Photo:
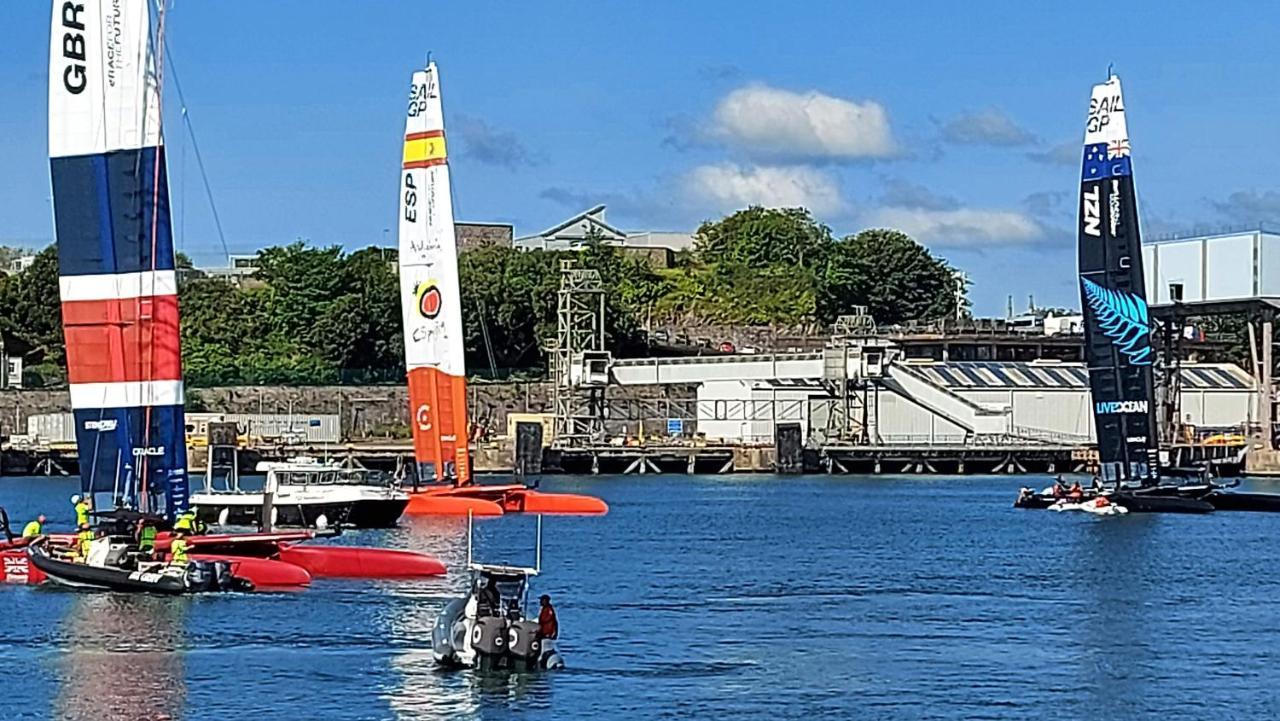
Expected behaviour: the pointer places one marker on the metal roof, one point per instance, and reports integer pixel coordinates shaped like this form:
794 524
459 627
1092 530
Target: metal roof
982 375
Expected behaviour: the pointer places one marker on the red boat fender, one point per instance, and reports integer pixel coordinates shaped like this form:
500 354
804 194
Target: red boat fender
361 562
555 503
264 573
436 504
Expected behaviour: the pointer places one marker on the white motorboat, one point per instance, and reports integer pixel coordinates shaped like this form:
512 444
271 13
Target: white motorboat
306 493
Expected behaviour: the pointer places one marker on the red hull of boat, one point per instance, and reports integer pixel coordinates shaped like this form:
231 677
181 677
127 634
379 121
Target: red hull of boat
15 567
555 503
361 562
499 500
265 574
427 503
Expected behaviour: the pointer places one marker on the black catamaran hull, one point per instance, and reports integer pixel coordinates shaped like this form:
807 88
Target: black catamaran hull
1134 502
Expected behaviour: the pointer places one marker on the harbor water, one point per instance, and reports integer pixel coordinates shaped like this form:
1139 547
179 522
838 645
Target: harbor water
726 597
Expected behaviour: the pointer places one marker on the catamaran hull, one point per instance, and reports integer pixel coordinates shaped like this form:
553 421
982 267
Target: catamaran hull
481 500
16 567
263 573
361 562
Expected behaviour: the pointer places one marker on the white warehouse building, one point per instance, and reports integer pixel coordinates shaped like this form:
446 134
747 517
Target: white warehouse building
1043 400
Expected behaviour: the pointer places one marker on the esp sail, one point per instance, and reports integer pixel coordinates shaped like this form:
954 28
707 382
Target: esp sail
429 291
1116 320
117 279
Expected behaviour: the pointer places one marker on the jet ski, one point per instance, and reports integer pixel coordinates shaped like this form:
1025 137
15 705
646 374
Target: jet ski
110 566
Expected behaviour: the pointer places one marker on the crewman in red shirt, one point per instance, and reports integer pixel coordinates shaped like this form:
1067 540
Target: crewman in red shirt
548 626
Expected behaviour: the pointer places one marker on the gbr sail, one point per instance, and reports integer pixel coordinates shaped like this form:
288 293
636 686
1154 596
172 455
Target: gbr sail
117 281
433 341
1116 319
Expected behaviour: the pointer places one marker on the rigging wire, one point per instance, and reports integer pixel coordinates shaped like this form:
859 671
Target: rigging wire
195 149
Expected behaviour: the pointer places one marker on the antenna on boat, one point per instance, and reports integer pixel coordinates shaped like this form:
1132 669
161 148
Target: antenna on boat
1109 73
470 516
537 559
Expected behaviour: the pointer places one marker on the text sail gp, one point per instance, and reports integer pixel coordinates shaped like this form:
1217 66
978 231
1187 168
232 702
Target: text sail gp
117 281
1116 320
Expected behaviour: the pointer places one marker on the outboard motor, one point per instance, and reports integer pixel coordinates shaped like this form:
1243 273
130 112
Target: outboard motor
222 578
199 577
442 632
489 640
524 645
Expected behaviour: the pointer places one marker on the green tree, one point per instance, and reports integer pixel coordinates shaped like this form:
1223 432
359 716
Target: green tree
760 237
895 277
31 309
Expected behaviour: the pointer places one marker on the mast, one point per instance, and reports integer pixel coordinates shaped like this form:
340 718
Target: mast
1116 320
117 278
429 290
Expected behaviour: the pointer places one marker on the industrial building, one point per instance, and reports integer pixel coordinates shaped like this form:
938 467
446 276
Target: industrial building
1046 401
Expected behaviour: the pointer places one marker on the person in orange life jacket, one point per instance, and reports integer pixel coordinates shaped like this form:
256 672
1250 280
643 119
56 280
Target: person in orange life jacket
1076 491
548 624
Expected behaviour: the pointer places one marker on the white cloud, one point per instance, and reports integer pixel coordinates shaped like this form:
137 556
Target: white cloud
960 227
770 121
986 127
1066 154
728 186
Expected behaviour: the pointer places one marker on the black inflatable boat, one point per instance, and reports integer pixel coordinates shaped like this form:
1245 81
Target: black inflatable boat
159 578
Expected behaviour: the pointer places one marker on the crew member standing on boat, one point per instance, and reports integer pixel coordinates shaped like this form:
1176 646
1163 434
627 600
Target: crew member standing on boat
83 507
83 541
178 548
35 528
490 601
187 521
548 624
146 536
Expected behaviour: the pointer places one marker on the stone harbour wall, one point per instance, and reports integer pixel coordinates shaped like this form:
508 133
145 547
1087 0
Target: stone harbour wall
364 411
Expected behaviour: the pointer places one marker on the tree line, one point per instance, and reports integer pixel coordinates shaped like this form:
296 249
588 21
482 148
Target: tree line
322 315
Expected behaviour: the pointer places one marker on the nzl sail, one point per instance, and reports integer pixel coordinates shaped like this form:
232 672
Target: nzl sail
1117 326
115 253
433 341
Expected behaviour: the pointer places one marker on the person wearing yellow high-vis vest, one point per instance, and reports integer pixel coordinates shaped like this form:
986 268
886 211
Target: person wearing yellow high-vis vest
178 548
82 506
35 528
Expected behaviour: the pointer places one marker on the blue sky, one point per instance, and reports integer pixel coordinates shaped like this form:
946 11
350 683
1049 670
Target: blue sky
960 122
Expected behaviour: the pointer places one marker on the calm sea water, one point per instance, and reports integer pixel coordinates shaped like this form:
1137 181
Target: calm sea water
728 597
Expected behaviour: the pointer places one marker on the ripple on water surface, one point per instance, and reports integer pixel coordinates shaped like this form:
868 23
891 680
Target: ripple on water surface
726 597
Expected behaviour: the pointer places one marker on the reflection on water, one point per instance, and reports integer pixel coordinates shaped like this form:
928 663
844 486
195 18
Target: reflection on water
122 658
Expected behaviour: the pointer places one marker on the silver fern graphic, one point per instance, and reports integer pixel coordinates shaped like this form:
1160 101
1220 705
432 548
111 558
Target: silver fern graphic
1123 318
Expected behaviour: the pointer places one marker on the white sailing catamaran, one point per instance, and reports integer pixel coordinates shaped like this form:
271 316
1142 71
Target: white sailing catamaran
433 341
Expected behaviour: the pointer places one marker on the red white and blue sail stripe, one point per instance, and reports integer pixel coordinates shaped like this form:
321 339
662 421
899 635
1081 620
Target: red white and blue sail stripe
117 280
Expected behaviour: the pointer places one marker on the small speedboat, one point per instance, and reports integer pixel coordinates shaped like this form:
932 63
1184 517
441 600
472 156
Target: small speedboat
109 566
488 629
